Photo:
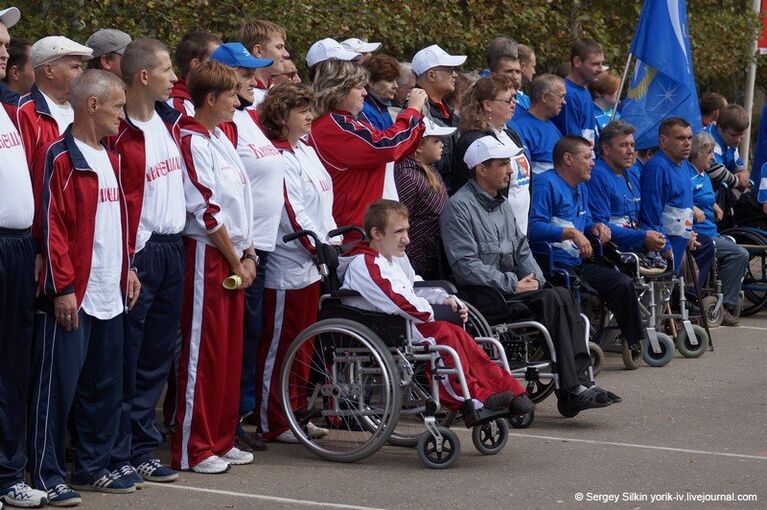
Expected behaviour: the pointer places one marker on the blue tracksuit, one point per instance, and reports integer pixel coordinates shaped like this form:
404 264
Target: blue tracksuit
703 197
577 115
558 205
614 200
376 112
667 201
539 138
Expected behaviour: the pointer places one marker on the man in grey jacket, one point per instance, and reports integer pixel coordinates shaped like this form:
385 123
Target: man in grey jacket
484 247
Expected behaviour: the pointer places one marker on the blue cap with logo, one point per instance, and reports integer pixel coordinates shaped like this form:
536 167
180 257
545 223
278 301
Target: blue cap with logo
234 54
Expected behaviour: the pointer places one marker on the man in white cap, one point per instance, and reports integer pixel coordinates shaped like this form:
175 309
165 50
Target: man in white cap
435 72
479 215
326 49
45 112
364 48
17 258
108 46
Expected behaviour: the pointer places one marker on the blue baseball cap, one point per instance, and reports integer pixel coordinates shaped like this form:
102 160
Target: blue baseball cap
234 54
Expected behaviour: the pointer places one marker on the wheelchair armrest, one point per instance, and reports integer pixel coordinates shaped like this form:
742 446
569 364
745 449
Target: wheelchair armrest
440 284
344 293
445 313
487 300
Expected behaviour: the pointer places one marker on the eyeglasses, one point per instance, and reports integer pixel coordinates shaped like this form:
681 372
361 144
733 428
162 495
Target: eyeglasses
560 96
512 99
445 69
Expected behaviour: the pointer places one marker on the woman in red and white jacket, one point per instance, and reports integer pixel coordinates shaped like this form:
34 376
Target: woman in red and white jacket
219 243
359 157
292 286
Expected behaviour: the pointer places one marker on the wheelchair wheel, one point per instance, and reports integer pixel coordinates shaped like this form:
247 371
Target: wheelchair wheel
490 438
439 458
658 359
714 318
477 325
631 359
597 357
523 421
539 390
686 348
339 371
755 282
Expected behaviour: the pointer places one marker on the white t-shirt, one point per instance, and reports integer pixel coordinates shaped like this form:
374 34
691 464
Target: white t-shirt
103 298
164 207
519 183
17 203
64 115
258 96
265 167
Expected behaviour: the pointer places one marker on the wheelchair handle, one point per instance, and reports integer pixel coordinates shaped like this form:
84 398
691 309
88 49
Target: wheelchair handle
301 233
348 228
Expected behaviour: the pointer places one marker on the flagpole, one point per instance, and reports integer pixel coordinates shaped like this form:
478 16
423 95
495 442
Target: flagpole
749 99
620 90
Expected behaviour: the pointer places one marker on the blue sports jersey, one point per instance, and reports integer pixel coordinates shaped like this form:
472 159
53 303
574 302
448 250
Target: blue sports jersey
558 205
724 155
539 138
377 113
577 115
667 201
523 101
704 198
614 200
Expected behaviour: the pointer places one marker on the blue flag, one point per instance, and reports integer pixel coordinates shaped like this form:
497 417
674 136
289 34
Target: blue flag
663 83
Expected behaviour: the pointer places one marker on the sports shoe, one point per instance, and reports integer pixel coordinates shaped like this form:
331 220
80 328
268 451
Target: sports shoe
61 495
728 319
129 473
287 437
152 471
24 496
316 432
213 465
111 483
249 441
237 457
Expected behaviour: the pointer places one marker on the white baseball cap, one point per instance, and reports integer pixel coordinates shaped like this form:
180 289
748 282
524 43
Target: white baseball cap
434 56
358 45
10 16
487 147
434 129
54 47
326 49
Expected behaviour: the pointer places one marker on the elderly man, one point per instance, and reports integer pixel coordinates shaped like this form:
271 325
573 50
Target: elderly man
485 247
86 288
534 125
17 298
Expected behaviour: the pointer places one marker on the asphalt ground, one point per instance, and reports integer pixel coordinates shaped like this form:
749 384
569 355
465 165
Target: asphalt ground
688 435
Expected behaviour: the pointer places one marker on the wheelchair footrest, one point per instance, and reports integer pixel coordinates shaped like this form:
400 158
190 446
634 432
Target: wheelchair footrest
474 417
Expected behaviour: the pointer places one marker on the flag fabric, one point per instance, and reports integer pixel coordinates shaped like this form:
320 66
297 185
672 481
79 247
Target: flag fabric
663 82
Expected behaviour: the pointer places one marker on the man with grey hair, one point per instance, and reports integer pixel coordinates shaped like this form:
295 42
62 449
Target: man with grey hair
88 285
534 125
45 112
148 143
732 259
17 300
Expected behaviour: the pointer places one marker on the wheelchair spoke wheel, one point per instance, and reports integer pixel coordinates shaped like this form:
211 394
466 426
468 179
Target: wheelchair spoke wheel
436 457
338 374
685 346
539 390
522 421
658 359
490 438
755 282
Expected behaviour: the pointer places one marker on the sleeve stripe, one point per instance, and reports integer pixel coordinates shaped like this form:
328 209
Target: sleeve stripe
294 222
384 284
374 137
212 208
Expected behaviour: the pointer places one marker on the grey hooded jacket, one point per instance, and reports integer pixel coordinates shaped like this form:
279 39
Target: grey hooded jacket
482 241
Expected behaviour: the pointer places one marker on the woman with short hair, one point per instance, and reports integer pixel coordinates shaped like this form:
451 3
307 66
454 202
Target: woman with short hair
604 93
384 71
219 244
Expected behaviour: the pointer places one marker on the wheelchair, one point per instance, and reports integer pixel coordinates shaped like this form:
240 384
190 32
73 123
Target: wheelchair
361 374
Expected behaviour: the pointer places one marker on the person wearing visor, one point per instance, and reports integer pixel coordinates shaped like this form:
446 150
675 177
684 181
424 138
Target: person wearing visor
364 48
328 49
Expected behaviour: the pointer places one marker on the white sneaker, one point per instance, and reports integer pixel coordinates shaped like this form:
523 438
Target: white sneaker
316 432
22 495
213 465
287 437
237 457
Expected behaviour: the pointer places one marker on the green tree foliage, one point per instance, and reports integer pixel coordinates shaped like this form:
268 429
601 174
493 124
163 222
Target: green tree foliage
722 31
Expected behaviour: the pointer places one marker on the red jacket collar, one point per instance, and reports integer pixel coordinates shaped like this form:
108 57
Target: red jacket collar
283 145
179 90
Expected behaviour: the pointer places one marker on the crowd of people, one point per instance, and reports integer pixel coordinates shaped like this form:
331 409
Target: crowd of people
143 204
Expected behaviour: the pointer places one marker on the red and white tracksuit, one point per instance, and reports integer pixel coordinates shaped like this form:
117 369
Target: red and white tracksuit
387 286
292 286
180 99
217 192
360 158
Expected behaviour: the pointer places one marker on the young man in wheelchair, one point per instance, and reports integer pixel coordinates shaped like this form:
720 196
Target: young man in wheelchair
381 273
485 248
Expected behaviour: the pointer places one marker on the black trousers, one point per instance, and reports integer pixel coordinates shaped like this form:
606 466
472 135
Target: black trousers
617 291
557 310
17 308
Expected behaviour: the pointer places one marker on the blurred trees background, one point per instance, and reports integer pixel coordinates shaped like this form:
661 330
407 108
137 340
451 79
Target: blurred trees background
722 31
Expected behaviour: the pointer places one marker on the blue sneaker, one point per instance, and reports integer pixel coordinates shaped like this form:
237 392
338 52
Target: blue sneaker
62 495
111 483
22 495
128 472
152 471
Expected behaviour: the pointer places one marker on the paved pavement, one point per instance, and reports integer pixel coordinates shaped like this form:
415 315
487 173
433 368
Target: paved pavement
685 433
